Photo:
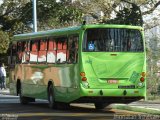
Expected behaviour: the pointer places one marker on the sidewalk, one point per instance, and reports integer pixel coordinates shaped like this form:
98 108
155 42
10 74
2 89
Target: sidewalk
150 107
5 91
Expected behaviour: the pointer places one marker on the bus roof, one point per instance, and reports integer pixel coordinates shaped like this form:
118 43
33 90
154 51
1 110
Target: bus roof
69 30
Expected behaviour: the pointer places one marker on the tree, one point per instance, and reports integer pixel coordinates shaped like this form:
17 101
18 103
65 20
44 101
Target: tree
68 13
131 11
4 39
57 14
10 11
16 15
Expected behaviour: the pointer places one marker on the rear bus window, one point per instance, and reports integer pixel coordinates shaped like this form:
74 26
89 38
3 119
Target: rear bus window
112 40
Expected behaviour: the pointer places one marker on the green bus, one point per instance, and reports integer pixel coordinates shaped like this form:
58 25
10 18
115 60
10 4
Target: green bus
94 63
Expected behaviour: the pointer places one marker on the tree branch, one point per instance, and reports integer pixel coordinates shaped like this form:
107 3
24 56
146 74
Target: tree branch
152 9
128 2
146 12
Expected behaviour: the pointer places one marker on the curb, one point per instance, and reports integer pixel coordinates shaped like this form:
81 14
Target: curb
137 109
5 92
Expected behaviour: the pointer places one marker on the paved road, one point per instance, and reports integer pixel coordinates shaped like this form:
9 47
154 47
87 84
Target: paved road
10 108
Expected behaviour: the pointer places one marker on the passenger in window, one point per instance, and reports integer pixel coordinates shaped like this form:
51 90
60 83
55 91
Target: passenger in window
25 57
72 51
14 54
128 44
59 60
19 57
124 45
134 45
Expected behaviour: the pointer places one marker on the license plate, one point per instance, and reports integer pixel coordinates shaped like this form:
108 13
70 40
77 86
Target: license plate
112 81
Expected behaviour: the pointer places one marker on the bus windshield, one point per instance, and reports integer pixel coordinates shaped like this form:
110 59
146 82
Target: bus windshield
112 40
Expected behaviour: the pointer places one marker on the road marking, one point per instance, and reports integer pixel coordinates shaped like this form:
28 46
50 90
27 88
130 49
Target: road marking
62 114
72 114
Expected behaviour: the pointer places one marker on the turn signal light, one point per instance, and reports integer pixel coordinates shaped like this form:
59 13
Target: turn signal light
84 79
143 74
142 79
82 74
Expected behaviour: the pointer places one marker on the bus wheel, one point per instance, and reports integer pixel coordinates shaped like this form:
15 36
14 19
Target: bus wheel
63 106
51 98
100 106
23 100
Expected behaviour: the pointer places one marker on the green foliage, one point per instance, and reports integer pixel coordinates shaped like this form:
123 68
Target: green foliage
4 40
16 16
57 14
9 15
69 14
51 14
128 16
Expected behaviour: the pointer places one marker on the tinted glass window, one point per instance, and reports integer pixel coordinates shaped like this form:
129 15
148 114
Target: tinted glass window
72 49
112 40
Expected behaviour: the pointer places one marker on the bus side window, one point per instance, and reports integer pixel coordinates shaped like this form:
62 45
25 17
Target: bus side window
51 53
34 51
43 45
42 51
19 52
13 53
61 49
72 49
25 52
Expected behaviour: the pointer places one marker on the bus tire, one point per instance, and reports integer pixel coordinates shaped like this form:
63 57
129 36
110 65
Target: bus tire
100 106
23 100
63 106
51 97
